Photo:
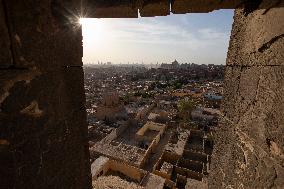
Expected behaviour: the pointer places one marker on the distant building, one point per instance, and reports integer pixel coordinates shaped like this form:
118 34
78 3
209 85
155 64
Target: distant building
110 108
173 65
211 96
166 66
213 100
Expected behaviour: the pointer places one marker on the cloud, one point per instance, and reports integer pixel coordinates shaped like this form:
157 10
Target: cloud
158 39
211 34
150 32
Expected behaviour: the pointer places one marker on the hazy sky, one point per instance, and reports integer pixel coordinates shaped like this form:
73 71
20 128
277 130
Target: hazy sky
198 38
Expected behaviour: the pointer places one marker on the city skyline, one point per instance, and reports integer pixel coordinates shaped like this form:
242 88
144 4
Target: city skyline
198 38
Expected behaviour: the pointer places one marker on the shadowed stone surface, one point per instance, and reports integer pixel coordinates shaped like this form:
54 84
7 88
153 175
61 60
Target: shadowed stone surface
190 6
155 8
42 119
129 8
43 130
43 34
5 53
110 9
43 133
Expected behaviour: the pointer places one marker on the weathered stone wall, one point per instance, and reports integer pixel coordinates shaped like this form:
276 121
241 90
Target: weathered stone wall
150 8
249 143
43 130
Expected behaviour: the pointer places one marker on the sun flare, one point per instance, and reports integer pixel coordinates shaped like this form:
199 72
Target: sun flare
81 20
94 30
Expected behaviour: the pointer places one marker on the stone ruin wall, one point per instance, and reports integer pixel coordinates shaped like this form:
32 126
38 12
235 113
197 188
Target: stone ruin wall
43 130
248 150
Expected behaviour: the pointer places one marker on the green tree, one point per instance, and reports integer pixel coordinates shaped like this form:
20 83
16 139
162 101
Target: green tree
185 106
126 99
177 85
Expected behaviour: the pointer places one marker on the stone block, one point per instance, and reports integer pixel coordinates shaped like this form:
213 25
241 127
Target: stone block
6 59
58 91
249 143
257 38
202 6
44 34
232 80
244 84
43 120
111 9
152 8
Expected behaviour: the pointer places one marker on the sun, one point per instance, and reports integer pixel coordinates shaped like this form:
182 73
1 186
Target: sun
95 31
81 20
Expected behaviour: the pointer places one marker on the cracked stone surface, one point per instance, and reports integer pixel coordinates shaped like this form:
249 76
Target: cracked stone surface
256 38
249 142
39 29
5 53
42 121
43 130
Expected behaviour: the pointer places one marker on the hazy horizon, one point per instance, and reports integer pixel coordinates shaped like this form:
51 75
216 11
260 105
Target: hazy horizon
189 38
